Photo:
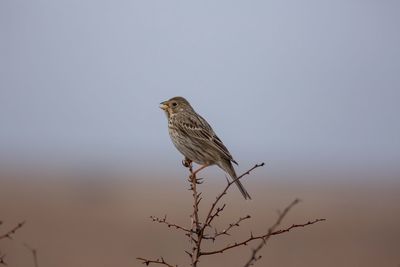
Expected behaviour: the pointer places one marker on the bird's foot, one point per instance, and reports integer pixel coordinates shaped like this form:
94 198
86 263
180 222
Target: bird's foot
195 179
186 162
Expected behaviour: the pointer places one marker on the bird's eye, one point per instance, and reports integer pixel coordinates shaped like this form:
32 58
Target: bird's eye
174 104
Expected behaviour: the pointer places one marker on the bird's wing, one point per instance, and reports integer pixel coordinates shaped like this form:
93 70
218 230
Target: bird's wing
198 128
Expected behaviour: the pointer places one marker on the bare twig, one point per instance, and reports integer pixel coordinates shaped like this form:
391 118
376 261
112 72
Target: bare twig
159 261
271 232
2 259
254 257
260 237
196 196
195 254
11 232
164 221
212 213
209 217
9 235
226 230
34 254
197 233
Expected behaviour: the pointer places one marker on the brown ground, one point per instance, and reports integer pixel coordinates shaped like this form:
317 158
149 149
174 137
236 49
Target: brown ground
81 223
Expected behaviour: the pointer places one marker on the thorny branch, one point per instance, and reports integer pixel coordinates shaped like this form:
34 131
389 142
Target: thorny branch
226 230
212 214
2 261
197 233
11 232
9 235
164 221
211 217
34 254
160 261
196 197
254 257
264 237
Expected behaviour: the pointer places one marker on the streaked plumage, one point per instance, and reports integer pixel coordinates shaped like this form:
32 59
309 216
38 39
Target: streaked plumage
196 140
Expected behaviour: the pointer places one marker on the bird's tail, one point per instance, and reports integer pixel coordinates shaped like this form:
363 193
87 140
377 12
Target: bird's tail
226 165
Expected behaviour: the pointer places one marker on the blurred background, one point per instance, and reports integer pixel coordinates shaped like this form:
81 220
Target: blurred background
311 88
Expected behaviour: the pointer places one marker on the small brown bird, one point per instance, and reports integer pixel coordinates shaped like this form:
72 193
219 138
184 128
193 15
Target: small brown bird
196 140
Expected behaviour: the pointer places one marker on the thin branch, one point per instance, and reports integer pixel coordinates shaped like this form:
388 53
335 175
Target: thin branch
159 261
194 255
164 221
11 232
210 217
216 214
2 259
271 232
251 238
34 254
9 235
197 232
230 226
196 196
281 231
254 257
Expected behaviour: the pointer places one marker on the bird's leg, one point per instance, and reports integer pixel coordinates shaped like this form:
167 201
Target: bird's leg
199 169
186 162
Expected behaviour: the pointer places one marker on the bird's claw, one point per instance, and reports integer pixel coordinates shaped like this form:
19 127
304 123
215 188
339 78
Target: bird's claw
199 180
186 162
196 180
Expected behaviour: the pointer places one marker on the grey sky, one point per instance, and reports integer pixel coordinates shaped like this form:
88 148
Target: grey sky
306 82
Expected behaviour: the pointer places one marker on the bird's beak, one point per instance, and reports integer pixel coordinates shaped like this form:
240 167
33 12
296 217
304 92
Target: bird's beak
163 105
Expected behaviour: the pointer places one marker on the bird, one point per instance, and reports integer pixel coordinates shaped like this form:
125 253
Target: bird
195 139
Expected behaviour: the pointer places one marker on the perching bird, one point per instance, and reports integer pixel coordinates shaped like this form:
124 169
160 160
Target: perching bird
196 140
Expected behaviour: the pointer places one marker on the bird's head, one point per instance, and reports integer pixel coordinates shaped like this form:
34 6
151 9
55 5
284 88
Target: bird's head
175 105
